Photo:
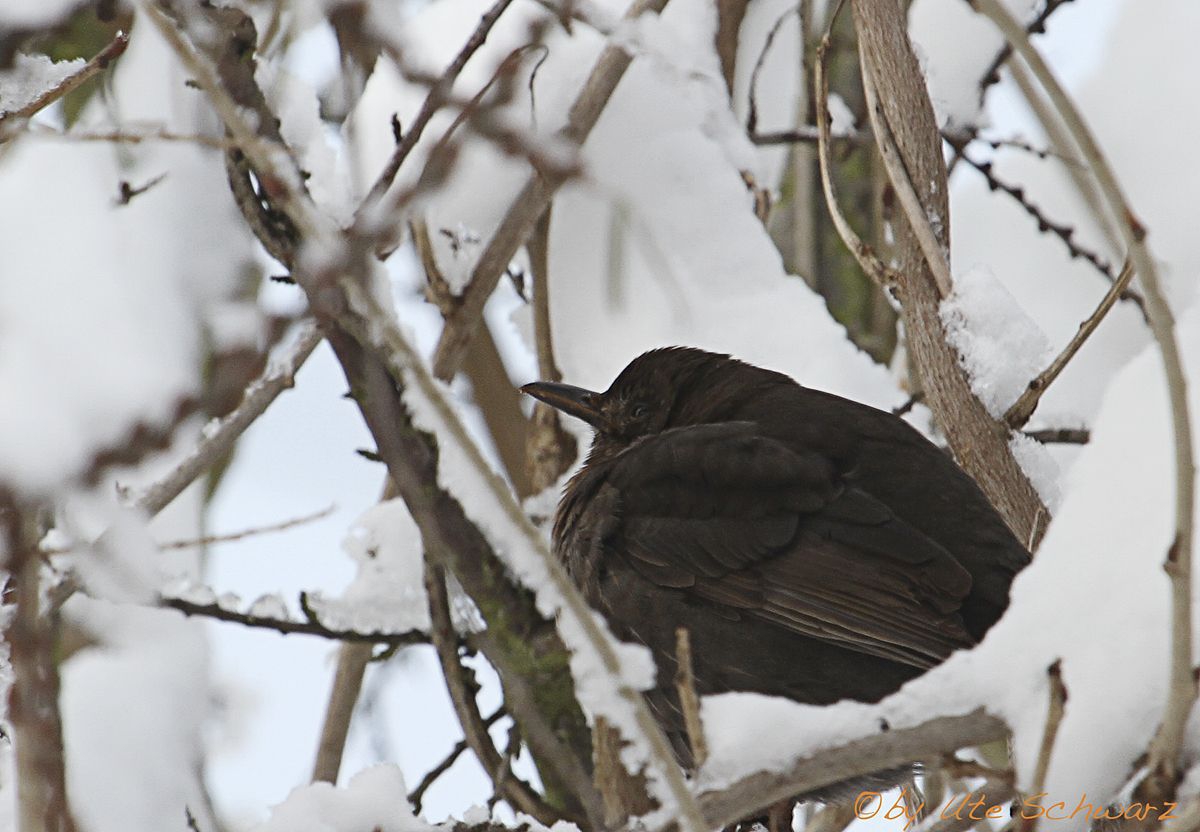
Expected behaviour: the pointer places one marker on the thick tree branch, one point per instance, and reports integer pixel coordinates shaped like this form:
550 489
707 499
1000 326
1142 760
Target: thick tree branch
902 110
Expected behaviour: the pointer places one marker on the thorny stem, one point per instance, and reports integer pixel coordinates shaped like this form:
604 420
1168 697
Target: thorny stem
1165 748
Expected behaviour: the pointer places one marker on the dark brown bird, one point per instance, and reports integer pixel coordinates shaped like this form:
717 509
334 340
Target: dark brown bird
814 547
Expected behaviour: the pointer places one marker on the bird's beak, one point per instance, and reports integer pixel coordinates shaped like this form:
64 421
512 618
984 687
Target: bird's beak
575 401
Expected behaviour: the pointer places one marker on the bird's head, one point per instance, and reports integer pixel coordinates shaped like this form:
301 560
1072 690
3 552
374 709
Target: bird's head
661 389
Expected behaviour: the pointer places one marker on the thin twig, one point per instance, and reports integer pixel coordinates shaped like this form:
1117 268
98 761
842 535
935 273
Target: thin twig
1054 716
689 701
127 137
219 436
73 81
1018 414
1165 748
417 795
1062 231
1037 26
434 101
462 688
752 107
289 626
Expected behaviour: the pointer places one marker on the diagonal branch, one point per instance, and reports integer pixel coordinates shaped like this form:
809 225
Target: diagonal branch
532 202
1020 411
434 101
219 436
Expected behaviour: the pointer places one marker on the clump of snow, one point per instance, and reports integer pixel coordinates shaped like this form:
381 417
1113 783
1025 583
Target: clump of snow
270 605
842 121
375 798
1000 347
1039 466
956 46
388 593
29 77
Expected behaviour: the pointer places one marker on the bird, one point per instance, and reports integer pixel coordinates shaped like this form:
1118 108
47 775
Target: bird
813 547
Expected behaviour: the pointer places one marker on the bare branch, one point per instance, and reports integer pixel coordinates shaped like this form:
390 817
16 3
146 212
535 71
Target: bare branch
531 202
689 702
1054 715
902 108
1164 751
417 795
932 241
883 275
1065 436
1020 411
42 800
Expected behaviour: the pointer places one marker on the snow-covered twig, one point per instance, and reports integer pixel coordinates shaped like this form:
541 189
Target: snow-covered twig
288 626
885 750
1020 411
219 435
72 82
1165 748
531 202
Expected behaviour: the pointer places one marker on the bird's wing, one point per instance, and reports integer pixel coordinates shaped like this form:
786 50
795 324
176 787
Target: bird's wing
742 521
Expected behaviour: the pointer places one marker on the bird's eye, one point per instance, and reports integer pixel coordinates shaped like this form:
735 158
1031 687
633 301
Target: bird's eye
638 411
